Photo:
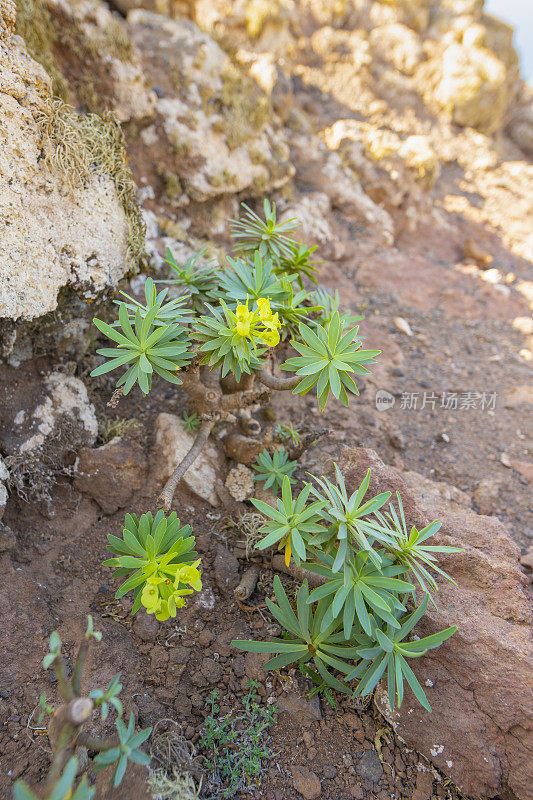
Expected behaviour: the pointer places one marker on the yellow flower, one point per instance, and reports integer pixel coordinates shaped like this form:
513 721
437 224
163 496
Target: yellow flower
150 598
273 322
263 306
266 316
162 613
155 579
191 575
244 320
271 338
243 327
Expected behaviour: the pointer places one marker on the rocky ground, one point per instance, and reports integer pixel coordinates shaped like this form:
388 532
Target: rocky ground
400 134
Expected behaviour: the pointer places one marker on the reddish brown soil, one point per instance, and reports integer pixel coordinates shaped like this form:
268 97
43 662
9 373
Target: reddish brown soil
51 569
56 576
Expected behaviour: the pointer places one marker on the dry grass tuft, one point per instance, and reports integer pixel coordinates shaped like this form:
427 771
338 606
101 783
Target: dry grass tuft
78 146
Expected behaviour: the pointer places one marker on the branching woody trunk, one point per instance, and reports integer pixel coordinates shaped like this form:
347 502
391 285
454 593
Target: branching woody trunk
216 400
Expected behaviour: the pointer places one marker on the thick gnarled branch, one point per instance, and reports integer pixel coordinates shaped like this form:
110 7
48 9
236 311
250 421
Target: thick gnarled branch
167 495
273 382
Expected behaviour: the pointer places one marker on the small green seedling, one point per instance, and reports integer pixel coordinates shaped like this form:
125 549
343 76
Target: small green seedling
272 469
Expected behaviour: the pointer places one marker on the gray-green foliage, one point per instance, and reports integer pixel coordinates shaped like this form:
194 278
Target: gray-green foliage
191 422
64 787
266 236
329 356
152 345
272 468
293 524
354 625
288 433
127 750
234 747
199 281
232 316
110 697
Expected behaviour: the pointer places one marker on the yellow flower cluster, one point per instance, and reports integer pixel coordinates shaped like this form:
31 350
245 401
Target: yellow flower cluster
163 596
260 324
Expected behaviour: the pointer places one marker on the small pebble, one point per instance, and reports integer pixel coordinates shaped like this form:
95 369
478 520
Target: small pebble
370 767
397 440
403 326
504 458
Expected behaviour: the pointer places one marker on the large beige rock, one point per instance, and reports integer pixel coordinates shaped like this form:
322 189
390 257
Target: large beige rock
172 443
8 15
520 128
469 83
479 683
325 171
450 17
98 59
398 45
170 8
413 13
265 25
215 131
337 45
62 221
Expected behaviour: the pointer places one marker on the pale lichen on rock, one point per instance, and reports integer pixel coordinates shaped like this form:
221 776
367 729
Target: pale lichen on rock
213 116
69 217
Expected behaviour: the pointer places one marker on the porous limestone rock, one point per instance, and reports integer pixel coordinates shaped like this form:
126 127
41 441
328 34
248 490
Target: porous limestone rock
414 14
8 15
312 211
214 123
338 187
240 482
99 60
478 683
56 229
398 45
64 397
520 128
168 7
268 74
418 154
337 45
468 83
172 443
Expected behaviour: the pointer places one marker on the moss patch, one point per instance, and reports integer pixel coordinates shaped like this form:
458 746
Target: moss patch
245 108
258 13
172 185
